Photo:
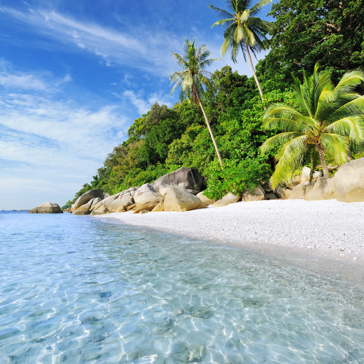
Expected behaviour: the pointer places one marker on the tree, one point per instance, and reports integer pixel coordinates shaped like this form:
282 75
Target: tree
328 118
308 31
193 78
244 30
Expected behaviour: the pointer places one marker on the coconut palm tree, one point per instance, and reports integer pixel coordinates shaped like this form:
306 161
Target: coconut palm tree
244 30
327 119
193 77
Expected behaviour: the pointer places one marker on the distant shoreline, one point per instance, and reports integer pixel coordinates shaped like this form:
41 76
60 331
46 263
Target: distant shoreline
325 237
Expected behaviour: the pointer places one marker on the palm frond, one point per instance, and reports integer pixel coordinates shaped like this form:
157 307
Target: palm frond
290 156
337 145
258 7
353 127
349 81
222 14
278 139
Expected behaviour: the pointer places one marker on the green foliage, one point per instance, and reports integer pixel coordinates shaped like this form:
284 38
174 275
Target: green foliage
308 31
68 205
327 119
236 177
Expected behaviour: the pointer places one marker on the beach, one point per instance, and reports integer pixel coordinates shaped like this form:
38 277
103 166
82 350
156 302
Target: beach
324 236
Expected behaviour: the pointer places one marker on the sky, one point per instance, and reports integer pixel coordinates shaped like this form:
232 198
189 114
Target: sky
74 75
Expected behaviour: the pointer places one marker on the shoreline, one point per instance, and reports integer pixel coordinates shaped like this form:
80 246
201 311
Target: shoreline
324 237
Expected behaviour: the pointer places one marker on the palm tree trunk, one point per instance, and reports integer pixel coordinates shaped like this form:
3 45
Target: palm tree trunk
323 162
255 76
209 127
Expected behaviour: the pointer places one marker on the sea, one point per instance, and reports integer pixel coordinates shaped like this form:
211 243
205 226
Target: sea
74 289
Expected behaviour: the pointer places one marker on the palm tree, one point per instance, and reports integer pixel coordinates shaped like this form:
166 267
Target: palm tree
244 30
327 119
193 78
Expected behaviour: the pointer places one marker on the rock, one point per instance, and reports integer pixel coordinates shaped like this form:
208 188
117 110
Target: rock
86 197
131 207
120 203
294 182
267 187
159 207
299 192
205 201
227 200
305 176
270 196
144 212
348 182
322 190
283 193
180 200
184 177
47 208
100 209
84 209
95 202
258 194
146 198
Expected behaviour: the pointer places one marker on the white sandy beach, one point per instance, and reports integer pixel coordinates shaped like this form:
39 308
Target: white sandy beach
324 229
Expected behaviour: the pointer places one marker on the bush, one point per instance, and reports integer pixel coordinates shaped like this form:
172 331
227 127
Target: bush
236 177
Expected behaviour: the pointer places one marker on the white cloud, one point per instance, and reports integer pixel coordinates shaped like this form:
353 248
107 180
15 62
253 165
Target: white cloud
40 81
143 104
144 50
45 135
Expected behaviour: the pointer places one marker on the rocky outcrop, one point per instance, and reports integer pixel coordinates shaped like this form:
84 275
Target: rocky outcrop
180 200
184 177
120 203
257 194
348 182
300 191
159 207
283 193
47 208
227 200
86 197
322 190
146 198
205 201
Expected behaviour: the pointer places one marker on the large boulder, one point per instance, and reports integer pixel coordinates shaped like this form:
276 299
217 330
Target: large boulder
146 197
47 208
205 201
180 200
283 193
227 200
120 203
322 190
257 194
99 210
348 182
86 197
159 207
184 177
87 207
300 191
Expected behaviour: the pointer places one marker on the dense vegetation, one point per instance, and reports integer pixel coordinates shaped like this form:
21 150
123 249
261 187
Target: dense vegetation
165 139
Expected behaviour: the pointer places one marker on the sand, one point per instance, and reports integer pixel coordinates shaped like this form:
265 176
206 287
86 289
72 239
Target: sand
324 236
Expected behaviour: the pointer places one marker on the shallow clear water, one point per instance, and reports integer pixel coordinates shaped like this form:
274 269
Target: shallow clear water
77 290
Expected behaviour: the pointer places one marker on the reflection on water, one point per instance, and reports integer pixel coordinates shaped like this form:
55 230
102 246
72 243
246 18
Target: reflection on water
76 290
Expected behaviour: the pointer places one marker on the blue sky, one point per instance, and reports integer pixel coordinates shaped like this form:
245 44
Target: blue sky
73 77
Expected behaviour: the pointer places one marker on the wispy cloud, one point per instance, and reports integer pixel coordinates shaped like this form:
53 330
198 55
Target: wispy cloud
143 104
144 50
11 79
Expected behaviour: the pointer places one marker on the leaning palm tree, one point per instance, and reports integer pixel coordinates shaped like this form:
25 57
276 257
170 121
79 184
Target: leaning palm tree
328 119
244 30
193 78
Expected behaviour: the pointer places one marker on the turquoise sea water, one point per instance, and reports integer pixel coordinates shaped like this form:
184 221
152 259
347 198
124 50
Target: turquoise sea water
77 290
